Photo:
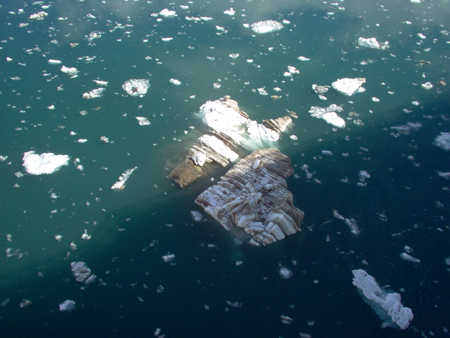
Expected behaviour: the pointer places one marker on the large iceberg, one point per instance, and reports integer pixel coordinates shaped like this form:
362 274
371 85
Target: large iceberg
267 26
45 163
252 201
348 86
136 87
386 304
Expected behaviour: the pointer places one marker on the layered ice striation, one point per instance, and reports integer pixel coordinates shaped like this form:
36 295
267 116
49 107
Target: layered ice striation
45 163
252 201
386 304
136 87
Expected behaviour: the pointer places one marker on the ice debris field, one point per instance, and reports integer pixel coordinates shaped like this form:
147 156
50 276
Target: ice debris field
93 90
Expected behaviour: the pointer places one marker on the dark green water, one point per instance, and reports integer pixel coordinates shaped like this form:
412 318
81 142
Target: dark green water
206 293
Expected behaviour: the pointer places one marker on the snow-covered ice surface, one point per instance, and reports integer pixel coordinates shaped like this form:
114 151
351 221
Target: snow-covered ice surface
380 159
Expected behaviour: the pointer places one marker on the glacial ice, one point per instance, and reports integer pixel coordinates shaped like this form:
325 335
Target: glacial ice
69 70
386 304
328 114
45 163
95 93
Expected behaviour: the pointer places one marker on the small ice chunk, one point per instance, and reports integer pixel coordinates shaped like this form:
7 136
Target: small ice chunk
82 273
428 85
196 216
168 258
70 71
45 163
303 58
143 121
285 273
95 93
443 141
67 306
386 304
38 16
409 258
268 26
230 11
175 82
136 87
166 13
372 43
167 39
347 86
120 184
234 55
54 62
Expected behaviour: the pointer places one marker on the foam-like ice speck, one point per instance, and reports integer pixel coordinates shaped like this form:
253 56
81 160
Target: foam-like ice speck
268 26
45 163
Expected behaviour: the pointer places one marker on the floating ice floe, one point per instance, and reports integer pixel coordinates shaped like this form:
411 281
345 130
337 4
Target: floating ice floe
45 163
82 273
70 71
175 82
38 16
329 115
120 184
373 43
136 87
347 86
143 121
67 306
386 304
166 13
54 62
443 141
95 93
303 58
167 39
268 26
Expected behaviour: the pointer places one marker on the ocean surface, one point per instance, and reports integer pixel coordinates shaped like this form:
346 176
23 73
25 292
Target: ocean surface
385 177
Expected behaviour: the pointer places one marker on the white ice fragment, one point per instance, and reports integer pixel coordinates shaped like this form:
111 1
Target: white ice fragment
54 62
199 158
167 39
85 236
327 153
234 55
69 70
372 43
168 258
101 83
347 86
67 306
45 163
443 141
268 26
120 184
416 1
303 58
375 99
58 238
143 121
166 13
409 258
262 91
196 216
386 304
175 82
420 35
136 87
82 140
